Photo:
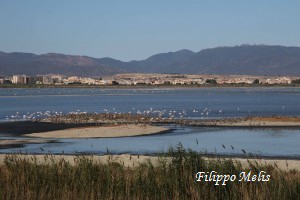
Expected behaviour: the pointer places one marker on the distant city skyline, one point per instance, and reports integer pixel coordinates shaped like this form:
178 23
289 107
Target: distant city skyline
135 30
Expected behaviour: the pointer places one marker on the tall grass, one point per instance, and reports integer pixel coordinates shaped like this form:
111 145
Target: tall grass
172 177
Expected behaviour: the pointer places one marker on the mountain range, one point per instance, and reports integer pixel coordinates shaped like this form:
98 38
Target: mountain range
237 60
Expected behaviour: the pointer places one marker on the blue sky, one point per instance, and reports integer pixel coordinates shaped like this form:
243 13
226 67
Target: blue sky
137 29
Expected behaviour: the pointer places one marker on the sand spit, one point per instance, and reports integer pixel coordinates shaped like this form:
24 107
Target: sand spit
257 122
104 118
262 122
102 132
134 160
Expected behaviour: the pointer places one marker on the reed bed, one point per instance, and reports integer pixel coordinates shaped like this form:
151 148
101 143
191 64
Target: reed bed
171 177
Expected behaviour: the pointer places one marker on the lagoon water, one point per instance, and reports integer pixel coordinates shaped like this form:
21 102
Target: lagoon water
16 104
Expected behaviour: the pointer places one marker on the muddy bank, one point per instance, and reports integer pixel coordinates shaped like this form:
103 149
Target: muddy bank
19 128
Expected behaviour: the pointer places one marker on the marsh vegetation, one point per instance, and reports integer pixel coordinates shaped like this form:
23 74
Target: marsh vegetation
171 177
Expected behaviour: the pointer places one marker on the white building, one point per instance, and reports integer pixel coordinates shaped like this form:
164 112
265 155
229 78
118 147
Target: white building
19 79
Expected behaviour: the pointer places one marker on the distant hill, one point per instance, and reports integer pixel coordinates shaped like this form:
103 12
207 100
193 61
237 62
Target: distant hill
159 62
31 64
154 63
244 59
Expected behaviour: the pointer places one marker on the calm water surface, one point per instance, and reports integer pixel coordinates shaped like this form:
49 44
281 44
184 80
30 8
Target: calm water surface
264 142
16 104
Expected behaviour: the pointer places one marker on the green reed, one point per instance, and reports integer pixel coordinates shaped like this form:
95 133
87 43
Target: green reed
171 177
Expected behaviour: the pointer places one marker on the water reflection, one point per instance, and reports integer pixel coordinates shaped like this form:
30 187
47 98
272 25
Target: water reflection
265 142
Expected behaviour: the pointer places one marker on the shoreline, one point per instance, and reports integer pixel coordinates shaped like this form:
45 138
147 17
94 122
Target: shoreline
206 155
248 121
43 132
21 141
130 160
14 86
62 123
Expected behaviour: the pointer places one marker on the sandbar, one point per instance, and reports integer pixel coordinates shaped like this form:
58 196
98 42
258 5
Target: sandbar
102 131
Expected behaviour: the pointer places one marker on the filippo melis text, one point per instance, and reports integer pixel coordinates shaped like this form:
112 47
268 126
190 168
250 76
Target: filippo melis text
222 179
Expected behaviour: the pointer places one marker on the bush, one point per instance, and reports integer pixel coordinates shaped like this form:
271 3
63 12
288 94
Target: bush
256 81
211 81
297 81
